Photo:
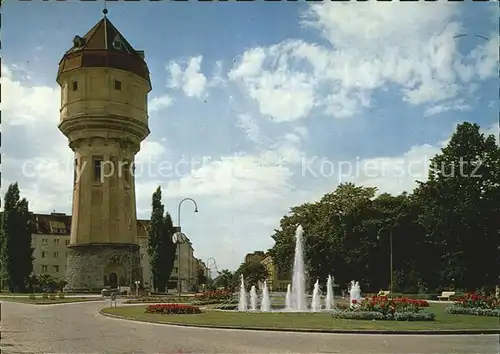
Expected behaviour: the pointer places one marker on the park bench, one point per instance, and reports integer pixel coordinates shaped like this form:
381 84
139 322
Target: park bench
445 295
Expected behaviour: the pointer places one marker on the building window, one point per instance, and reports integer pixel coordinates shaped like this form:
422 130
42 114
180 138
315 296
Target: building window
43 254
44 269
125 170
97 169
67 242
118 85
74 85
142 257
56 254
44 241
55 269
56 242
176 270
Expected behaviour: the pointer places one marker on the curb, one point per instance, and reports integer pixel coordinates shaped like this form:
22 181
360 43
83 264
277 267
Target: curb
326 331
48 304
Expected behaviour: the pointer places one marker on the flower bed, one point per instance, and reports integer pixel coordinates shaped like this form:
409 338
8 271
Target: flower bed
173 309
475 305
381 308
157 299
171 299
214 296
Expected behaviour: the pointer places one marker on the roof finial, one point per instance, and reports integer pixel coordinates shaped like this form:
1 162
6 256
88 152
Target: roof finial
105 10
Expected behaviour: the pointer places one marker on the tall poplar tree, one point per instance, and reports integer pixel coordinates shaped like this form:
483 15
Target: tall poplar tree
16 253
161 249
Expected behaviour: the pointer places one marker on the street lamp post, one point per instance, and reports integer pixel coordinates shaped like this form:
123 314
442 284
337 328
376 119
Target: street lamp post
181 239
177 239
390 251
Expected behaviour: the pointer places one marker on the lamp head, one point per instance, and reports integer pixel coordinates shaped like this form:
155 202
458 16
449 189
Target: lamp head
195 210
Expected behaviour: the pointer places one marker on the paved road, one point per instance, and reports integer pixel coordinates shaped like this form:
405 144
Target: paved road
79 328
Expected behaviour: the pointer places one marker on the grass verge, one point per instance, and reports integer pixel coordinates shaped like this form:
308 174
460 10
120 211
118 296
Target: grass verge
39 301
311 321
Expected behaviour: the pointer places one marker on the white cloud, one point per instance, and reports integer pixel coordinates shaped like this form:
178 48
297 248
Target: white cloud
281 94
250 127
250 64
150 152
190 80
366 54
159 102
26 104
457 105
217 78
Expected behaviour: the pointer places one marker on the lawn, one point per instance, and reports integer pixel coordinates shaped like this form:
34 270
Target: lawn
40 301
298 321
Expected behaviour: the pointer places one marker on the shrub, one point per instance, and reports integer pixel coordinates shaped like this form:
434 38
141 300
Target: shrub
61 296
45 296
376 315
414 316
32 297
214 296
358 315
52 296
173 309
457 310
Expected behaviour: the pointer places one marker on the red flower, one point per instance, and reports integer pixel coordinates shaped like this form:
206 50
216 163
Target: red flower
170 309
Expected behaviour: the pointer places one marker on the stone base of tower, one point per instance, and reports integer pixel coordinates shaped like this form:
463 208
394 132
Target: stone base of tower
92 267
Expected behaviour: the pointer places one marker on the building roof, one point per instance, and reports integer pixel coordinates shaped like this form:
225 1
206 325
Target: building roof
53 224
60 224
104 46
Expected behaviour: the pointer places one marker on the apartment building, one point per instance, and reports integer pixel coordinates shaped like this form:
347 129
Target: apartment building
52 236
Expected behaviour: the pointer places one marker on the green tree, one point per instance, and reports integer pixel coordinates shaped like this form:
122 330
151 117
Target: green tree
16 253
460 211
161 249
340 237
224 279
253 273
202 277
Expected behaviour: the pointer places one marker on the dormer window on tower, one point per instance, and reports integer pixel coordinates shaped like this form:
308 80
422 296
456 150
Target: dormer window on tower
78 42
118 85
74 85
117 43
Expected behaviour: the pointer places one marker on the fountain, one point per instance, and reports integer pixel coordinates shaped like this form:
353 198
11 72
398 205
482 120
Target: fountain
288 298
296 299
253 298
316 300
242 305
298 278
329 302
354 292
265 304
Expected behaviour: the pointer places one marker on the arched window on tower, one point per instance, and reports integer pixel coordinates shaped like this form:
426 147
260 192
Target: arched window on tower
126 173
97 167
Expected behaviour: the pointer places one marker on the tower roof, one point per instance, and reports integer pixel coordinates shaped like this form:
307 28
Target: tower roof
104 46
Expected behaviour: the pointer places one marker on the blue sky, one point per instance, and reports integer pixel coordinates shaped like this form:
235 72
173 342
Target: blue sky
258 96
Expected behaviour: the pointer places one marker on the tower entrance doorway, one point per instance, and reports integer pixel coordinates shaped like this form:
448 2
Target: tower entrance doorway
113 280
115 276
